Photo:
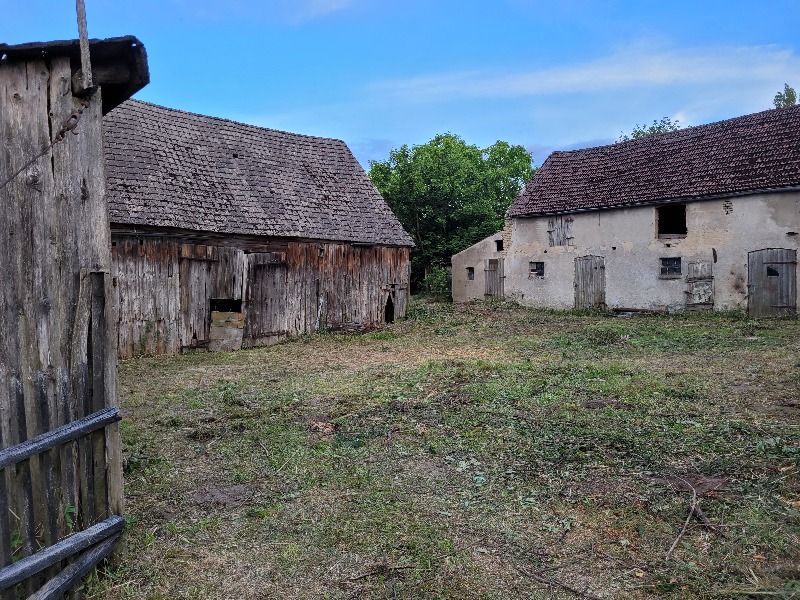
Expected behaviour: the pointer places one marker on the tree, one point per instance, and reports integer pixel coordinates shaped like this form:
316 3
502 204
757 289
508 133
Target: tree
664 125
786 98
449 194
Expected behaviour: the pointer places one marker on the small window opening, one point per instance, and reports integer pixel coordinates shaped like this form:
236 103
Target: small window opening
235 155
388 312
671 220
470 273
226 305
772 272
535 269
499 244
671 267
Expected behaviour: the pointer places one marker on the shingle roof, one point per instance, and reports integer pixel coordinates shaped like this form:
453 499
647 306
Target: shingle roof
170 168
748 154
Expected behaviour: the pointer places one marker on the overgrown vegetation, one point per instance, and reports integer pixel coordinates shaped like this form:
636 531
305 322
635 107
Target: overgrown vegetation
482 451
449 194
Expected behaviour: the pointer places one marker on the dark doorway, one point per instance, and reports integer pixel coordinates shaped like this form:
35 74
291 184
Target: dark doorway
226 305
388 312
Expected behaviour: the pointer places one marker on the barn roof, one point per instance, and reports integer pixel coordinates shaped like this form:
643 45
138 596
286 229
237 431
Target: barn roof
119 64
170 168
750 154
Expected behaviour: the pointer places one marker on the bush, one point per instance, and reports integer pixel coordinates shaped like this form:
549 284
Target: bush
437 282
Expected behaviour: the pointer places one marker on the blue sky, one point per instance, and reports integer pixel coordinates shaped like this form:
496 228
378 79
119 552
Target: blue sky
378 74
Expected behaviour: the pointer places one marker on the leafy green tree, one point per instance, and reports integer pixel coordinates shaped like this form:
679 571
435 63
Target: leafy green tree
663 125
449 194
786 98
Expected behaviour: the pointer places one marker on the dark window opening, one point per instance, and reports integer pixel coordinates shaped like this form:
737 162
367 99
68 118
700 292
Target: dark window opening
535 269
671 267
499 244
388 312
671 220
772 272
470 273
226 305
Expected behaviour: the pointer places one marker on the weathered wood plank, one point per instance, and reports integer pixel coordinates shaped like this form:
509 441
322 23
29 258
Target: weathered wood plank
71 575
56 437
31 565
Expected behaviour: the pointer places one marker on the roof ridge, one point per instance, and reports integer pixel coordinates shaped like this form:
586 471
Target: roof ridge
678 132
234 122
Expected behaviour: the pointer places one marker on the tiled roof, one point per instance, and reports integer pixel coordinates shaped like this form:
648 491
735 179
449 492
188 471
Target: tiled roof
748 154
169 168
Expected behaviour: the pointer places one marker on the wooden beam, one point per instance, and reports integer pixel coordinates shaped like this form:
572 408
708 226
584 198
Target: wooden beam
86 63
57 437
69 546
111 74
66 580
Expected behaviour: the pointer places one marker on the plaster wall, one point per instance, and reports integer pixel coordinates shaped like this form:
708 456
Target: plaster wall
720 231
476 256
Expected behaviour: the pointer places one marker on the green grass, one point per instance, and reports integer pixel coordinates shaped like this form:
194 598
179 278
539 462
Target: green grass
470 451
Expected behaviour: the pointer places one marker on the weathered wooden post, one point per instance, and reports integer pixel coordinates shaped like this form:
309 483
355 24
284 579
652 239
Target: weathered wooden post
57 338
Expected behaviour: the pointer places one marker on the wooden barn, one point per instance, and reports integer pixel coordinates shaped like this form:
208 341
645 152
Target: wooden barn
226 235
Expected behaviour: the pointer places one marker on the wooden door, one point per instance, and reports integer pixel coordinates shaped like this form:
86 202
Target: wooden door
266 314
494 278
590 282
195 284
772 282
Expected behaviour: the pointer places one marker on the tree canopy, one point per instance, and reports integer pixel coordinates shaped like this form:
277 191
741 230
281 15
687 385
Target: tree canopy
663 125
449 194
786 98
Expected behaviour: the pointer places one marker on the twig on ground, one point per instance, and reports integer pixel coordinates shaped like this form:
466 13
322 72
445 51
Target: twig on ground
379 569
692 510
555 583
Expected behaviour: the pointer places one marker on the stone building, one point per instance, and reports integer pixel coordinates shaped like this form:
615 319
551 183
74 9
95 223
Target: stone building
227 235
706 217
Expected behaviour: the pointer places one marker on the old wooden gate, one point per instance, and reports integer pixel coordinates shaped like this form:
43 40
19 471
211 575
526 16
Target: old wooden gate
60 468
494 278
772 282
590 282
266 314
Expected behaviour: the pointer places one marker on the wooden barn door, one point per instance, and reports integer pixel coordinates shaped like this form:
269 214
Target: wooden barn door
197 263
590 282
494 278
772 282
266 314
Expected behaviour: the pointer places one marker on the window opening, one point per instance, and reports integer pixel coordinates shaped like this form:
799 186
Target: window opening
226 305
535 269
772 272
671 220
671 267
499 244
470 273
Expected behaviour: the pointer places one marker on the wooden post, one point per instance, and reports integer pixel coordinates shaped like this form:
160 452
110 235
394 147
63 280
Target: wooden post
57 351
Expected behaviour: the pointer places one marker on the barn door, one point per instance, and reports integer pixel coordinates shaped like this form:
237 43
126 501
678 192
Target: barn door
590 282
195 283
494 278
772 282
266 314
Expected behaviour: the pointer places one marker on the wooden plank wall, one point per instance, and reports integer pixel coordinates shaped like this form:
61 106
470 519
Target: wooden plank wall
57 351
316 285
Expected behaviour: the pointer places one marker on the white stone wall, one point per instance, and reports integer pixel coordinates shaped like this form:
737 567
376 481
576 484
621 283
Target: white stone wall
627 239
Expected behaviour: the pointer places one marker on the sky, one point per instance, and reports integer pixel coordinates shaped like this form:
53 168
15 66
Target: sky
378 74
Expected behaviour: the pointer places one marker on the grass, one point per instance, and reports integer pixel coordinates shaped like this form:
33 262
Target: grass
469 452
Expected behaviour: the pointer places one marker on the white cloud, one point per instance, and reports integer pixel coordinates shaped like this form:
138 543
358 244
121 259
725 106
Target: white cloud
632 68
